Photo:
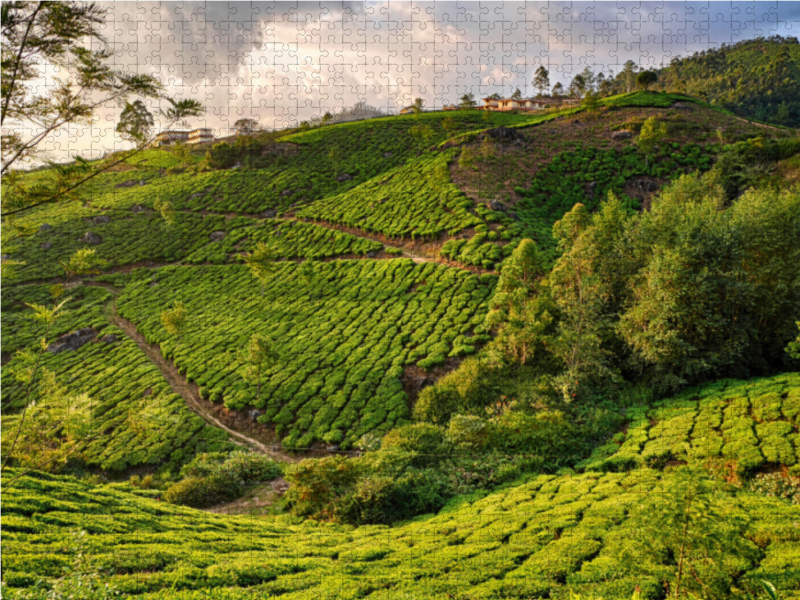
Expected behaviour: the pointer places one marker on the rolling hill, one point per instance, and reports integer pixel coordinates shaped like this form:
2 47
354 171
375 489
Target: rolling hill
498 341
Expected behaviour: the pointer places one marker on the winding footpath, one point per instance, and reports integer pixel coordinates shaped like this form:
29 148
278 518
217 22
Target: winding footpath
181 386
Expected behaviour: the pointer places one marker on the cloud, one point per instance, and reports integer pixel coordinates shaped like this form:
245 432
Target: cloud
283 62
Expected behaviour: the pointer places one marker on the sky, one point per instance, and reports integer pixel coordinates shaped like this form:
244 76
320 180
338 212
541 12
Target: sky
284 62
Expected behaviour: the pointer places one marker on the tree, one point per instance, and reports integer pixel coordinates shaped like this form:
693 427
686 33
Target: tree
589 78
628 74
335 156
183 153
83 262
541 80
135 123
645 79
37 34
422 134
261 262
694 531
577 86
257 356
558 90
495 96
606 87
54 427
512 307
517 95
246 126
651 133
591 102
418 104
327 118
28 362
174 319
467 101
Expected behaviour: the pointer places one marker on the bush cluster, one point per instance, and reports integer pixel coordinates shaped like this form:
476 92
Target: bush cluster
212 478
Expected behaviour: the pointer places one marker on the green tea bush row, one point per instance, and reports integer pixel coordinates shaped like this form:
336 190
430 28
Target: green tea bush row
145 236
19 331
417 200
546 535
753 424
343 336
587 175
136 419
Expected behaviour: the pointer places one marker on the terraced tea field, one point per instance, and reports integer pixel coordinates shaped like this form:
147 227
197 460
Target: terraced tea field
344 336
544 536
125 238
750 425
134 418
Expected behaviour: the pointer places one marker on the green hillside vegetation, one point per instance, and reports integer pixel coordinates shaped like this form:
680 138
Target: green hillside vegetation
747 424
639 330
132 417
544 536
758 79
343 334
127 238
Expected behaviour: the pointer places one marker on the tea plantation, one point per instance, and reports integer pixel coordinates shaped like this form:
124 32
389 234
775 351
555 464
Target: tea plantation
125 238
343 337
338 345
134 418
749 424
545 536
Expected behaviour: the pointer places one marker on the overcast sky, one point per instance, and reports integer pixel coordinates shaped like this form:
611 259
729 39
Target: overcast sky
283 62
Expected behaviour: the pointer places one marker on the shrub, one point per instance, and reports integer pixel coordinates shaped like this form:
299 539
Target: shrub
211 478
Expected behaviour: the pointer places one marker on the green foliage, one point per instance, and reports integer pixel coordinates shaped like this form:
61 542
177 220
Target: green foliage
211 479
652 133
794 347
413 201
765 73
747 423
342 344
174 319
257 356
134 418
587 175
645 79
135 123
541 535
692 522
84 262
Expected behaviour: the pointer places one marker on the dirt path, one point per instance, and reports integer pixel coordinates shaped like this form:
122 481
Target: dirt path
211 413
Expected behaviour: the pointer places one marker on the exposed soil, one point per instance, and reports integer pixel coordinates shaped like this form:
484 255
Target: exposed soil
516 164
415 379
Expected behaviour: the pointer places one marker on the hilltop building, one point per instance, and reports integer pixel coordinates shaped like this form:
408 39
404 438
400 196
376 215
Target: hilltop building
407 110
196 136
506 104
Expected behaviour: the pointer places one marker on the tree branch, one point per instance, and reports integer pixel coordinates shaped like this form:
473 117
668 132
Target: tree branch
18 61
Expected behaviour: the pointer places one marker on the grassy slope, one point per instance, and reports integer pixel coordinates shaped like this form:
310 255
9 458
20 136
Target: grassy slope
343 338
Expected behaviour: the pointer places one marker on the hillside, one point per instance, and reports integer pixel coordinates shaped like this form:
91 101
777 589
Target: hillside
452 355
758 79
539 537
